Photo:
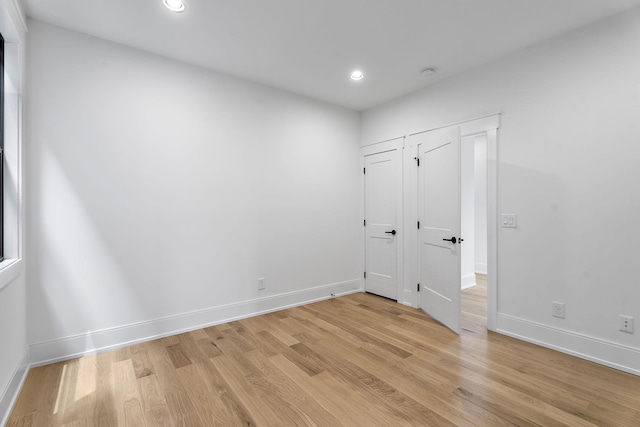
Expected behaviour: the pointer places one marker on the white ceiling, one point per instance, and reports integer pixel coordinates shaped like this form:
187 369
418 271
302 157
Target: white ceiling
310 47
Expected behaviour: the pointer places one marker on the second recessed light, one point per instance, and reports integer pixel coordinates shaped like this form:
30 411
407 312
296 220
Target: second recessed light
174 5
357 75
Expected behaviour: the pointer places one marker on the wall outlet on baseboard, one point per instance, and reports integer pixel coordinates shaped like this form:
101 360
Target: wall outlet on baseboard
261 284
558 309
626 324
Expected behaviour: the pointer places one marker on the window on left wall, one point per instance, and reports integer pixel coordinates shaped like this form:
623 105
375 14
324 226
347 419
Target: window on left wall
1 147
12 32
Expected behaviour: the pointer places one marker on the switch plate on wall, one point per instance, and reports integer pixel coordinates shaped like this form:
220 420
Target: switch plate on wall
261 284
509 221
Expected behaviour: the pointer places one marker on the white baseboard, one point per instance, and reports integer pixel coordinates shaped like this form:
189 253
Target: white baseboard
481 268
408 298
583 346
468 281
10 394
107 339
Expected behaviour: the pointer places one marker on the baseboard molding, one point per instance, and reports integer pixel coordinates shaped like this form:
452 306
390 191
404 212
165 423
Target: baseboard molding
408 298
108 339
596 350
10 393
468 281
481 268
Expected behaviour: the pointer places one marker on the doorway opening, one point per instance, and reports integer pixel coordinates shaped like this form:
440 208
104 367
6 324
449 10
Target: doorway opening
473 216
433 196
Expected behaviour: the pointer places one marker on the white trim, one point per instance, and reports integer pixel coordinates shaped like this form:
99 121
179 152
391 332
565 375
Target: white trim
10 269
17 13
362 238
583 346
410 223
12 390
382 146
492 228
468 281
470 127
70 347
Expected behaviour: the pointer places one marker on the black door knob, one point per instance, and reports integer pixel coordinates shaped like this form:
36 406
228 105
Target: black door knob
452 240
391 232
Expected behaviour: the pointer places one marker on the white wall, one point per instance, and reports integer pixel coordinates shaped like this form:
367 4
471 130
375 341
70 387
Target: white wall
568 167
158 189
467 212
480 203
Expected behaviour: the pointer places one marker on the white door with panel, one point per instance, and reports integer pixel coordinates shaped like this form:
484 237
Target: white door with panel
381 198
439 218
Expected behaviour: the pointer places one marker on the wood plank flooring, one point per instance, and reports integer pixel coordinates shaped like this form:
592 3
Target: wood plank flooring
358 360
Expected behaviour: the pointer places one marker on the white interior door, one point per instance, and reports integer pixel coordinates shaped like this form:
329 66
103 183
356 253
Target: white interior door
439 231
381 223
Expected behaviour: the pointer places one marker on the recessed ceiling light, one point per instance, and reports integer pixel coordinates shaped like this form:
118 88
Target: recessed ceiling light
357 75
174 5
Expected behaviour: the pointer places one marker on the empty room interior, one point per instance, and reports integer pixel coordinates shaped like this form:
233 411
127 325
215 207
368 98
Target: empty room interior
329 213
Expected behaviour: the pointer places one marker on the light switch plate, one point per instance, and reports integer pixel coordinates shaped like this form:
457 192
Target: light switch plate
509 221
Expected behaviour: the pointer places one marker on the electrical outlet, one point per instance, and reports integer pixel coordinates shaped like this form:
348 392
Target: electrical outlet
261 284
626 324
558 309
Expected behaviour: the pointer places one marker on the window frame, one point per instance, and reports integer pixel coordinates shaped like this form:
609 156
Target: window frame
1 148
13 29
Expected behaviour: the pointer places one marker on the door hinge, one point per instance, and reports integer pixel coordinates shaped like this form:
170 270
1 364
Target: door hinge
418 225
418 287
365 222
364 170
365 274
417 161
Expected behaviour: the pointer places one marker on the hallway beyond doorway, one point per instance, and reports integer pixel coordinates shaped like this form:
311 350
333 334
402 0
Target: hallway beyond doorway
474 306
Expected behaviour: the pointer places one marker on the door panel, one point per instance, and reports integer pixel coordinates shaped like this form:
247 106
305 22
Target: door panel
381 200
439 215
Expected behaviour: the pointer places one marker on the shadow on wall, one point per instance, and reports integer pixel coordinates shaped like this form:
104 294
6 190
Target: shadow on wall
86 285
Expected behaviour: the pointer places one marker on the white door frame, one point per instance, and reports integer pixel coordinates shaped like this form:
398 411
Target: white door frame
381 147
489 126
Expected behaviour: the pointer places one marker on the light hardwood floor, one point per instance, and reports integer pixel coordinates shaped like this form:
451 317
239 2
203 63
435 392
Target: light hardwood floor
358 360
